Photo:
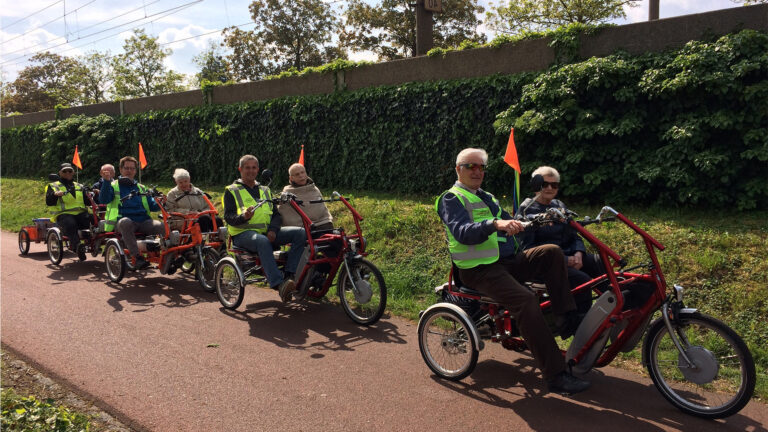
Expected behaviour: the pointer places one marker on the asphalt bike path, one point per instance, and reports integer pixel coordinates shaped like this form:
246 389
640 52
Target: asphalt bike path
160 354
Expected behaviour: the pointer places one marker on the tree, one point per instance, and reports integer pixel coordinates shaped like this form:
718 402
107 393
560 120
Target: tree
389 29
288 34
213 66
535 15
140 71
49 81
97 77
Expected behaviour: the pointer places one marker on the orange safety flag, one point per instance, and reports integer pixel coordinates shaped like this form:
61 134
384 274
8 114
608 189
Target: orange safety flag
510 157
142 158
301 156
76 159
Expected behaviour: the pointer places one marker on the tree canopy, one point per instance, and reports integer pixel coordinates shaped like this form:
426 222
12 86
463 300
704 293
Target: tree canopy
140 71
50 80
288 34
389 28
517 16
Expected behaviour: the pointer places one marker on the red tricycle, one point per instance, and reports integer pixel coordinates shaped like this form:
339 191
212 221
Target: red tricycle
361 286
697 362
174 248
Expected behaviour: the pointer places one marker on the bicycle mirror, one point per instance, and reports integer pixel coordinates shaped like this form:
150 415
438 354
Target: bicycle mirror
536 182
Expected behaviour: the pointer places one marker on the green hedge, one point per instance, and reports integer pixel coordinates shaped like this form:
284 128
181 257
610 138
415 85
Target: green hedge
686 126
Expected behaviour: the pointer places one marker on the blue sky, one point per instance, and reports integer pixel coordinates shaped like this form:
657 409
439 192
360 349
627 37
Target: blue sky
74 27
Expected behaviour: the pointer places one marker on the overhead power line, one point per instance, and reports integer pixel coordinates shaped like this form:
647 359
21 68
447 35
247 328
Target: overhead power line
43 25
172 10
33 13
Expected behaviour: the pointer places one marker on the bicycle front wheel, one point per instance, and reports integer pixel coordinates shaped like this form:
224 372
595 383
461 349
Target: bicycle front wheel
447 342
721 377
363 298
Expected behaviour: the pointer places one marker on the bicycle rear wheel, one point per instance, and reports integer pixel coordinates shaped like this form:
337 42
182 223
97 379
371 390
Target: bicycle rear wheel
721 379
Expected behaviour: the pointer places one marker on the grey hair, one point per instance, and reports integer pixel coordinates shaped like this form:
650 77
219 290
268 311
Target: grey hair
247 158
110 166
468 151
546 171
180 174
290 168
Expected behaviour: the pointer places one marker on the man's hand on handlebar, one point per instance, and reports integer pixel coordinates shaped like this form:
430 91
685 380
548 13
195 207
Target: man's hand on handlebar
249 212
510 226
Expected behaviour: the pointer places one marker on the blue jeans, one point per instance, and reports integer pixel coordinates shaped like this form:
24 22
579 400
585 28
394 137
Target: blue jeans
260 245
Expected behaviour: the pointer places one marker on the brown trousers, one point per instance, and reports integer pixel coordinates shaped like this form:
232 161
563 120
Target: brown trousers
500 282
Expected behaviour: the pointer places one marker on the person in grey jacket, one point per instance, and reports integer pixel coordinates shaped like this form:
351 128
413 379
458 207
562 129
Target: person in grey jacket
186 198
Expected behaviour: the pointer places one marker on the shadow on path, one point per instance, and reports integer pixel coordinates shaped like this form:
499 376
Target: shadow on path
288 326
623 404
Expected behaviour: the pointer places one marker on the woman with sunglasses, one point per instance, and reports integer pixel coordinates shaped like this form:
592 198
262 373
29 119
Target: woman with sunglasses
582 266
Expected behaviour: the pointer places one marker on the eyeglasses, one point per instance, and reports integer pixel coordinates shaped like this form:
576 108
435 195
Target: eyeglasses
473 166
67 171
554 185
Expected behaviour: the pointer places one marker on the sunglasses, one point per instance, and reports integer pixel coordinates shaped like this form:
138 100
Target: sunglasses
554 185
67 170
473 166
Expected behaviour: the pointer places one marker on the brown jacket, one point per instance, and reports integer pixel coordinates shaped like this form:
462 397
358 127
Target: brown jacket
318 213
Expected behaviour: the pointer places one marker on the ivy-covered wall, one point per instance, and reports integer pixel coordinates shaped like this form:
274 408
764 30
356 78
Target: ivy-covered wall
689 126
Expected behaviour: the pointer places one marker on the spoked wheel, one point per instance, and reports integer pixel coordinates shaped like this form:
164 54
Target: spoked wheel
364 300
23 242
722 377
55 247
447 343
115 262
206 273
230 283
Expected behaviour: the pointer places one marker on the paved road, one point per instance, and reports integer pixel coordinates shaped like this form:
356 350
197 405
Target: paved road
141 351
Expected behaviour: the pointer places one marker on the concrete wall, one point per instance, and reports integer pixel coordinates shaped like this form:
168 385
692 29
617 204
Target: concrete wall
524 56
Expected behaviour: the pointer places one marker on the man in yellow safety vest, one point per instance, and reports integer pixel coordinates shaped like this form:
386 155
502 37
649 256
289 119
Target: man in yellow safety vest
255 225
484 249
68 205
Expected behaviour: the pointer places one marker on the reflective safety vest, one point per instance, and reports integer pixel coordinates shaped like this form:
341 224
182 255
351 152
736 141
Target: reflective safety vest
261 216
487 252
67 204
113 208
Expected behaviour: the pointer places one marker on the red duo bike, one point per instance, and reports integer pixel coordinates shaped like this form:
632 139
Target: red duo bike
361 287
697 362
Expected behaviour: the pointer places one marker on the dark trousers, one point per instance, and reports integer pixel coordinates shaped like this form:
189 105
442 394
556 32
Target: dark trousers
206 225
500 282
592 267
69 225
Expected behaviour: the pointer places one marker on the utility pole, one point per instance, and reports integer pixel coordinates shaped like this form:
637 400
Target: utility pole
424 24
653 10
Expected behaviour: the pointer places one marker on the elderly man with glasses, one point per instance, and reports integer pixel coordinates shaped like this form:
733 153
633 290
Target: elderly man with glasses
68 205
485 252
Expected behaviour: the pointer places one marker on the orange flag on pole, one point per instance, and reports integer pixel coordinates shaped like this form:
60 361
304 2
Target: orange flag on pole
142 159
301 156
510 157
76 159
